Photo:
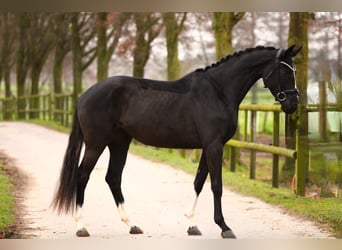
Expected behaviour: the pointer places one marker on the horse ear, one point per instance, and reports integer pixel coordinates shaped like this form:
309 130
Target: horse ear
289 51
292 51
295 51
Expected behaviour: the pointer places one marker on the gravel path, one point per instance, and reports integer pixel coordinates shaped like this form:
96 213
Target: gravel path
156 195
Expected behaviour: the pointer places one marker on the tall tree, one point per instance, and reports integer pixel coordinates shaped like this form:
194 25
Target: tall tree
109 28
22 62
148 27
173 26
298 35
62 44
7 51
82 32
223 24
40 41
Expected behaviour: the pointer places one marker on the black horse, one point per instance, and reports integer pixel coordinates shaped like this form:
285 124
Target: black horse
199 110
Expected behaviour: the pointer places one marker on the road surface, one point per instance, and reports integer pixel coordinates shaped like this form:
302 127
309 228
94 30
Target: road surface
157 197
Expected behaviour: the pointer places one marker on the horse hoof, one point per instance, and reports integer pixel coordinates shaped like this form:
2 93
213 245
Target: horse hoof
194 231
228 234
82 233
135 230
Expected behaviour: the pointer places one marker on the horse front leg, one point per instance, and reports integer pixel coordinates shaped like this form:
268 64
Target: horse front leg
214 155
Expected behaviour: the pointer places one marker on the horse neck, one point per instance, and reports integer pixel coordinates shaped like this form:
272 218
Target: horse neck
236 78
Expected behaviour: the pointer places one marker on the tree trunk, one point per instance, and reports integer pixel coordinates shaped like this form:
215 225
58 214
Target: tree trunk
147 30
77 57
7 29
102 62
57 79
141 55
297 32
298 35
223 24
7 79
171 33
35 101
8 93
62 35
58 71
0 76
21 64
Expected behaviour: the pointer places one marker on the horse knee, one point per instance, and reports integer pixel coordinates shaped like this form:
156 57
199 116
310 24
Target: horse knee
216 189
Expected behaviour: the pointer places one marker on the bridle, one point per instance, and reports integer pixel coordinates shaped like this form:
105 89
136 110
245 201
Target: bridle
281 95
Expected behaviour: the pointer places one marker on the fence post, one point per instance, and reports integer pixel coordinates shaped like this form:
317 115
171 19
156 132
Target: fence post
66 112
232 159
275 159
252 152
44 107
245 131
50 98
302 148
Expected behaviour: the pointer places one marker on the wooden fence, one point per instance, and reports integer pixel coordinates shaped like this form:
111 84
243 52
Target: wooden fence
274 149
57 107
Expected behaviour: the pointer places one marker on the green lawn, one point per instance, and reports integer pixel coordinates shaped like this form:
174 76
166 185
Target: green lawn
7 203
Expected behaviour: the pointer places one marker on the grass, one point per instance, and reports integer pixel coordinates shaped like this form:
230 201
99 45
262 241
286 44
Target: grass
7 202
326 211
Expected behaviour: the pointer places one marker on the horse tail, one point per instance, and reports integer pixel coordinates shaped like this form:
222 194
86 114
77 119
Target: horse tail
65 196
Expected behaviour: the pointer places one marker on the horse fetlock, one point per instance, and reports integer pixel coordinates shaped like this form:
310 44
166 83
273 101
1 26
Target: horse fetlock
189 215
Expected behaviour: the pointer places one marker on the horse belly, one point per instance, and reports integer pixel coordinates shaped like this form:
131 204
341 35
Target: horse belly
164 130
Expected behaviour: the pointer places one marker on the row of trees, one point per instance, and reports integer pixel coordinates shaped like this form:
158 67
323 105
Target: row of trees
29 39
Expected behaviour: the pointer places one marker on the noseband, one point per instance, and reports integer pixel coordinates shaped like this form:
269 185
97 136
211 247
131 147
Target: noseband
282 94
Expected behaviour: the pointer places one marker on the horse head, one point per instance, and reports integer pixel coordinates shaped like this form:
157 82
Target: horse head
280 79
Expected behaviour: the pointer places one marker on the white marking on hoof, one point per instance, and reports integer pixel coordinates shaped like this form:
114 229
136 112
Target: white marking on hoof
123 215
79 219
190 215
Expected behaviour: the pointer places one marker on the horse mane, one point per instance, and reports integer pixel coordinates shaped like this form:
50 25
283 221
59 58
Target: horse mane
236 54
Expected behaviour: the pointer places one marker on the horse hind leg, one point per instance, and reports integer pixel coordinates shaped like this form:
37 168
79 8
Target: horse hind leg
200 178
87 165
118 155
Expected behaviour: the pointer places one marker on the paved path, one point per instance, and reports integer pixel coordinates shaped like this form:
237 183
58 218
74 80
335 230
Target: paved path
157 197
